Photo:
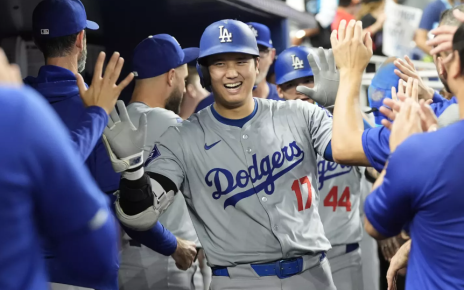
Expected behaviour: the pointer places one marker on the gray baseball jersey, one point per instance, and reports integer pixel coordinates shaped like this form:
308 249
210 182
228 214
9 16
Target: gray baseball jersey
340 195
176 218
252 191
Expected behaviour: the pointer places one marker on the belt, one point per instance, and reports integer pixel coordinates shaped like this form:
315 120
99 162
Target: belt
351 247
281 268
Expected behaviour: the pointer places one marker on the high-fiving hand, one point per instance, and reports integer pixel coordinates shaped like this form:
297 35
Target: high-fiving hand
351 47
326 78
103 92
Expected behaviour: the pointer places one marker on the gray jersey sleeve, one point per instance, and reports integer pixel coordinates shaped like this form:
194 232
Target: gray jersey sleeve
319 122
166 157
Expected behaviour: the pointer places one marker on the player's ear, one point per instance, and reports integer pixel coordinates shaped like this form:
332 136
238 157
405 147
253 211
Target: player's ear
171 74
273 54
280 92
80 40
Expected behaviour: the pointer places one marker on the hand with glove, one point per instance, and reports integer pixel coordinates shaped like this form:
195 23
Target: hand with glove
124 143
326 78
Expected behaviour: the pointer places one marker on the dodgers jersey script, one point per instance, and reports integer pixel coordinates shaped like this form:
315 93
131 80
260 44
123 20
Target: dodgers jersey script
340 196
176 218
252 191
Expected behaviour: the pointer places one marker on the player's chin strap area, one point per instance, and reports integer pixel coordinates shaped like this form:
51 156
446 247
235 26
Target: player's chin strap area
140 203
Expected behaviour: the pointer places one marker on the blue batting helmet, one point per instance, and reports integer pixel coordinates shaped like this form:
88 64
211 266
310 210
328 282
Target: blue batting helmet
380 88
292 64
225 36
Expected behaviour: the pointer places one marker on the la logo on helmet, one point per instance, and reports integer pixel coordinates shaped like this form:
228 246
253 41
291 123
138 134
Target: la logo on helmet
255 32
296 62
224 34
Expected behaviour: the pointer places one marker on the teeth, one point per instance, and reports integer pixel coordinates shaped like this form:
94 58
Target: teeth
233 85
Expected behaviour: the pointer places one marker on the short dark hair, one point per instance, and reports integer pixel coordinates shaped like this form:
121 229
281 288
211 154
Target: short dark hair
344 3
447 16
57 46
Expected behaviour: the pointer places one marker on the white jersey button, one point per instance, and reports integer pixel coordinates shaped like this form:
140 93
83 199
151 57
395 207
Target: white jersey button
248 150
245 136
264 199
276 228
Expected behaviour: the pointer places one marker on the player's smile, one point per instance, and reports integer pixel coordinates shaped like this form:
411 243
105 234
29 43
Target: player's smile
233 88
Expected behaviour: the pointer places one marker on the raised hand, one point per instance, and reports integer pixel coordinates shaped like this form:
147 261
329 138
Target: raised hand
103 92
326 78
351 47
123 142
407 70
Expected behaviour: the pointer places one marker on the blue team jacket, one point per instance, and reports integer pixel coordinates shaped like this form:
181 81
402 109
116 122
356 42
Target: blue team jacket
59 86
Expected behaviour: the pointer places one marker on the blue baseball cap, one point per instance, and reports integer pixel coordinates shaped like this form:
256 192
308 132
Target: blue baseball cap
380 88
292 64
262 33
158 54
55 18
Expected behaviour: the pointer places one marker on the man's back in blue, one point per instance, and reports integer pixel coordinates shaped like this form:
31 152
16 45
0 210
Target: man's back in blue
46 193
423 188
59 86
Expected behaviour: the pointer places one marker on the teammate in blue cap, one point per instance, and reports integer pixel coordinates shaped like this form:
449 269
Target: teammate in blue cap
266 55
59 32
248 171
160 67
292 69
47 193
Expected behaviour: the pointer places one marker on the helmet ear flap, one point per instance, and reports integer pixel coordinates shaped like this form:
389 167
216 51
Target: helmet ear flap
205 78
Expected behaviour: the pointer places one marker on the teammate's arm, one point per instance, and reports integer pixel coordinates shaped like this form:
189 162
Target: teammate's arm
88 131
390 205
72 212
348 124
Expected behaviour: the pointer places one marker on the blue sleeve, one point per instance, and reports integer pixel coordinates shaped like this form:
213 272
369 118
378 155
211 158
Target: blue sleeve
376 146
89 130
439 108
437 98
158 238
389 207
431 15
71 211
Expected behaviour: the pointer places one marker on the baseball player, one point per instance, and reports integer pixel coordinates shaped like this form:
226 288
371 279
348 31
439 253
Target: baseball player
247 168
339 185
266 55
59 30
160 66
39 165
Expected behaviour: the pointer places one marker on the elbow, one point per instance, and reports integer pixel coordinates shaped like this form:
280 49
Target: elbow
341 154
372 231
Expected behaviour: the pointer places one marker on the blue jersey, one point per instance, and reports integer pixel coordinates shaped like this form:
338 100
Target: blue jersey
423 188
59 86
273 95
431 16
46 193
375 141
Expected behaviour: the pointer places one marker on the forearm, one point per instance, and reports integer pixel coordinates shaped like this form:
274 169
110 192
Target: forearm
374 28
88 131
348 123
421 39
